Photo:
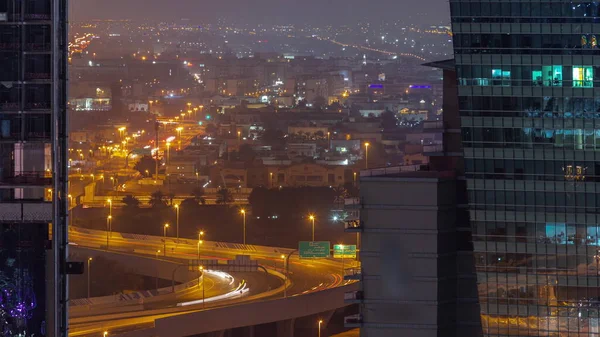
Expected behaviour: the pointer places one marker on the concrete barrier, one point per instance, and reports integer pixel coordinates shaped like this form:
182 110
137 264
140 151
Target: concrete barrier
225 247
140 265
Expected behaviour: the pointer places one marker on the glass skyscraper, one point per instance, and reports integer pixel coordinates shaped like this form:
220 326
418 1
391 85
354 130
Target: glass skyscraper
529 94
33 169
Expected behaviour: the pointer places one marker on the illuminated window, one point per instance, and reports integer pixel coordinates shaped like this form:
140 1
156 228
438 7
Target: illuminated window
500 77
536 76
583 77
552 76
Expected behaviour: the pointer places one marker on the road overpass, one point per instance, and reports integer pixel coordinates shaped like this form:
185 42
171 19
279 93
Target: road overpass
315 288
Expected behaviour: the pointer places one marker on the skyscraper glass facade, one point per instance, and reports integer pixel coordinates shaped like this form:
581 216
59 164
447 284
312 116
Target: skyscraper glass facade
529 93
32 170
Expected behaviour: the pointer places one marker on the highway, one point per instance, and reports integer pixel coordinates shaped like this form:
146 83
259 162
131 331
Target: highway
305 277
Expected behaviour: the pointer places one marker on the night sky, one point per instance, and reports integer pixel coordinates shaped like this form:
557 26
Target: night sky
265 11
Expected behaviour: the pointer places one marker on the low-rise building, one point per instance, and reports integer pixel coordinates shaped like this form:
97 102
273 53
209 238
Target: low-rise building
302 150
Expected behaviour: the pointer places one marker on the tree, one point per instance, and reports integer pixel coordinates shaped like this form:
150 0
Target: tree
198 194
388 120
301 104
170 196
131 202
320 102
246 153
211 129
146 164
189 203
224 197
157 199
273 137
335 106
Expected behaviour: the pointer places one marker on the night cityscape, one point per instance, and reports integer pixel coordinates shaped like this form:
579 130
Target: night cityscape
299 168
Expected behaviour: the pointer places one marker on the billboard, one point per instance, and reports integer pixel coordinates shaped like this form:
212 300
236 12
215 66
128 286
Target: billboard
344 251
314 249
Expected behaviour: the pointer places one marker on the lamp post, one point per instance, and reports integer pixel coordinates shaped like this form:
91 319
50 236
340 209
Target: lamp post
312 219
105 334
201 271
108 226
177 212
157 252
320 322
165 227
342 247
271 179
200 242
243 211
168 152
89 270
110 203
179 129
367 155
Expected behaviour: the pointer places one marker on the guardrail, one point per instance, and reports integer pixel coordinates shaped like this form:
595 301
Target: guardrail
391 170
206 245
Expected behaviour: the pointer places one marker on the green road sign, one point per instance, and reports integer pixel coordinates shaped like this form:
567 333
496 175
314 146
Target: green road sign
345 251
313 249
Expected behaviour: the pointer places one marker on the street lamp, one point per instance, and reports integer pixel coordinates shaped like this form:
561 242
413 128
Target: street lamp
108 228
320 322
367 155
243 211
105 334
165 227
271 179
239 135
200 242
342 247
312 219
157 252
168 151
110 202
201 271
179 129
177 212
89 270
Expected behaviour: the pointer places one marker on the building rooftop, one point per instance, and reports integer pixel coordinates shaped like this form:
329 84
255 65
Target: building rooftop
445 64
407 171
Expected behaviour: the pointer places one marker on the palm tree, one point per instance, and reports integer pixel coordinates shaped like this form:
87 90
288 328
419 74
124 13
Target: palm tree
224 197
157 199
198 194
171 196
131 202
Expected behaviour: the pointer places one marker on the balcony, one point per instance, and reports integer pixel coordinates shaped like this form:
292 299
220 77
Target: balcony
352 203
353 226
37 106
433 125
35 178
26 211
353 321
37 76
353 296
353 274
433 149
